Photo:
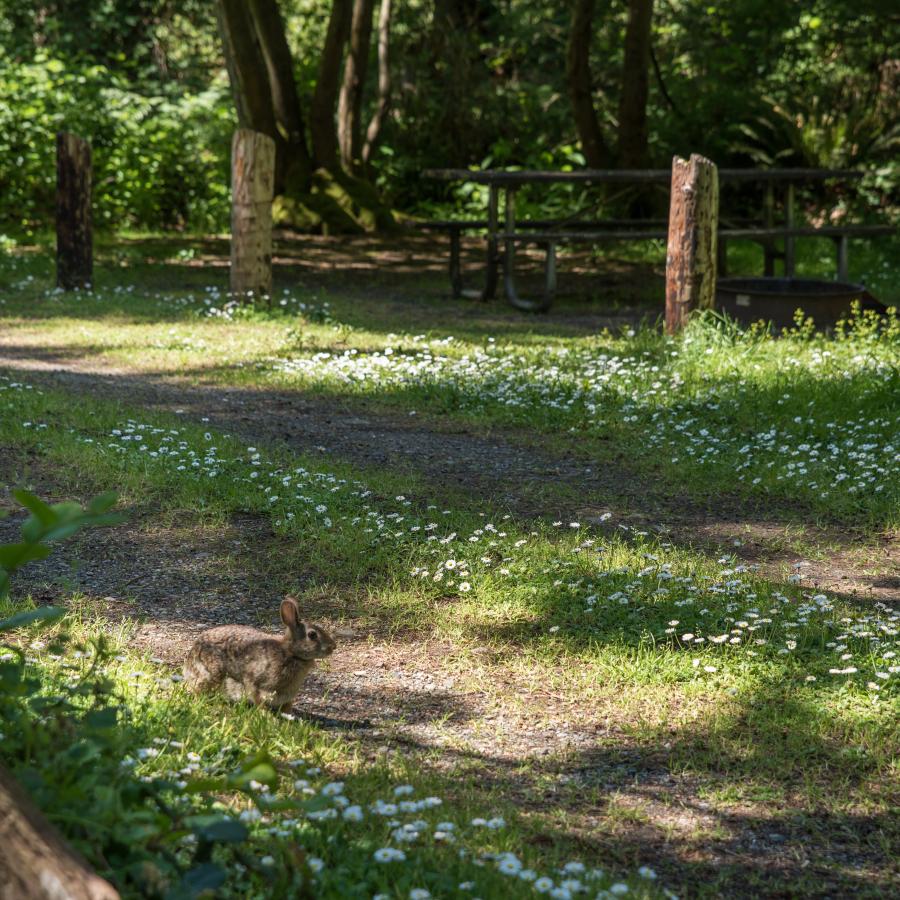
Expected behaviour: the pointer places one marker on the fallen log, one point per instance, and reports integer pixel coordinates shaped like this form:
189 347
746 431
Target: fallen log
35 862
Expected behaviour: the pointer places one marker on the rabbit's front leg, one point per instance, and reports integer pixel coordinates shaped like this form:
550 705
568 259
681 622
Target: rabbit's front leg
258 694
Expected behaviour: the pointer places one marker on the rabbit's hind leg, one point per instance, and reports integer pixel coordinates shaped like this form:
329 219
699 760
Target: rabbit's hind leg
234 690
201 674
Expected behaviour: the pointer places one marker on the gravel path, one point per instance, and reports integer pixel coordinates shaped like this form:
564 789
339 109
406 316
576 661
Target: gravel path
499 469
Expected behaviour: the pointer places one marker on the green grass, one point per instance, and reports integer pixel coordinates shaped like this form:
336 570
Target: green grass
771 699
195 757
803 421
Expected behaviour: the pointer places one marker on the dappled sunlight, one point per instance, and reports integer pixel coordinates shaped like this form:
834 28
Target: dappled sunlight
550 573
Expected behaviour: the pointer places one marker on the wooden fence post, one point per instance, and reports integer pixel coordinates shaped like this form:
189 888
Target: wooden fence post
693 226
252 187
74 243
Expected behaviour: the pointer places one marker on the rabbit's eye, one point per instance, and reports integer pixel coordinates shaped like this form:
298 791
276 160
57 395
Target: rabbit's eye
311 635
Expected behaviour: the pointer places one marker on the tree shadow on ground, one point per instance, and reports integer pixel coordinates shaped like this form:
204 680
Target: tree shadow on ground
798 821
404 279
763 795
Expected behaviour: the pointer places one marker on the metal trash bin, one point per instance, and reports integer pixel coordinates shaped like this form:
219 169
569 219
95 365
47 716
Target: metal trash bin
776 299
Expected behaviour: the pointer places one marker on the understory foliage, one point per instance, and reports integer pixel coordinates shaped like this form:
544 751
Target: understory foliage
746 83
159 154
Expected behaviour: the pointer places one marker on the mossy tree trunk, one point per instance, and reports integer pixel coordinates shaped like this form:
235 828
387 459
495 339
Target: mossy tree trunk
312 189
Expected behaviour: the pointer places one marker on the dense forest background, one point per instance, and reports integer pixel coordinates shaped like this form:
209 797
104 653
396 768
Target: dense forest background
472 82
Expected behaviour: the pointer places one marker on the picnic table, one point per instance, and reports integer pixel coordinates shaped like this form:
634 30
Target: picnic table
549 233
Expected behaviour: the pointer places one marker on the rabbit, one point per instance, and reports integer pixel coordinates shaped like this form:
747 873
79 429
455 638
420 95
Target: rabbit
251 665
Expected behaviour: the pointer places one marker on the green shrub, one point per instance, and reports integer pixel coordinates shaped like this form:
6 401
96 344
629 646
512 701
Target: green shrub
160 159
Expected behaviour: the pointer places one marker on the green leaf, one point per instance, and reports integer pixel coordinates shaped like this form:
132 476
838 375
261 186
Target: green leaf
45 615
258 767
205 877
43 512
14 555
224 831
263 772
102 502
201 785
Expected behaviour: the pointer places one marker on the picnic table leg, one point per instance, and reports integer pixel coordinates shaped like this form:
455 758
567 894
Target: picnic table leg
788 224
842 248
491 259
542 305
509 227
456 282
490 285
509 264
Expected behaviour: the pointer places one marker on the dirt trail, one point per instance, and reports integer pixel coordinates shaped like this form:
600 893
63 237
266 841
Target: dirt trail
507 470
459 713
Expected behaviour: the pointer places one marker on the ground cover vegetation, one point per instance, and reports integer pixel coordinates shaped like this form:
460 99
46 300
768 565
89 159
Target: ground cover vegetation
616 611
769 696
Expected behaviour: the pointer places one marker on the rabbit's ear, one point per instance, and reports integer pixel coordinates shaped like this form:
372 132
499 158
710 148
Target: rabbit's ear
290 615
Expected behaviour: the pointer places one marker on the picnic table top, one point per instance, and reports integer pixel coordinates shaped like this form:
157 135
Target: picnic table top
501 177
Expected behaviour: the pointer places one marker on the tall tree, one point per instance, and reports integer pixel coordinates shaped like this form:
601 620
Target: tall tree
289 125
635 86
321 116
383 103
311 186
350 99
597 153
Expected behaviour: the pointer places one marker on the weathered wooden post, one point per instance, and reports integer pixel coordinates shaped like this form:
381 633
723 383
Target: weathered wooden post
252 187
74 243
693 226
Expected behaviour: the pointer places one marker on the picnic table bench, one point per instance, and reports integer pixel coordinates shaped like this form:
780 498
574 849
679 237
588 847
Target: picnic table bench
549 233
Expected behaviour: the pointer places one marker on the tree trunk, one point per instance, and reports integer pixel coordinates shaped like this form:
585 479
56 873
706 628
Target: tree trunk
383 104
635 86
350 100
35 862
693 228
247 70
289 124
260 69
321 117
74 240
252 181
581 90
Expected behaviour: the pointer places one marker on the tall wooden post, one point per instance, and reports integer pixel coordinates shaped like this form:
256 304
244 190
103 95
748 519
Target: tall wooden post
74 243
252 187
693 226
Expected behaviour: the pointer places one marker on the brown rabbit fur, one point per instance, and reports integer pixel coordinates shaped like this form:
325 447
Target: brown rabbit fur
251 665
